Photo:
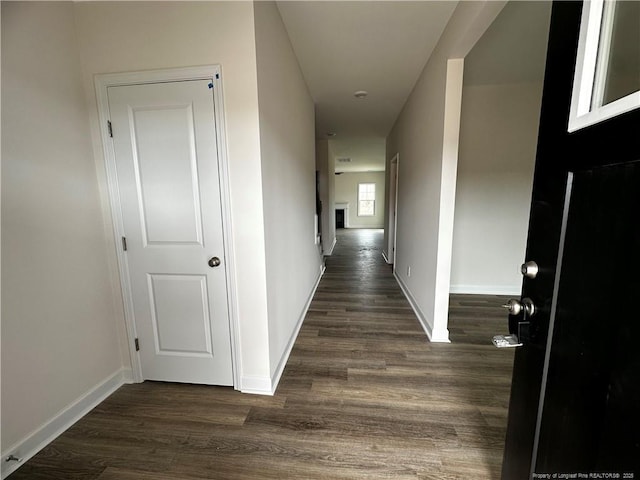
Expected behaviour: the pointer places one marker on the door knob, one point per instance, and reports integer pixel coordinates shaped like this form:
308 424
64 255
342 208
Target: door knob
529 269
513 306
516 306
214 262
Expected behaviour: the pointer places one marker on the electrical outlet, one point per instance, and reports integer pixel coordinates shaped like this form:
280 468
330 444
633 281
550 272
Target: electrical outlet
408 271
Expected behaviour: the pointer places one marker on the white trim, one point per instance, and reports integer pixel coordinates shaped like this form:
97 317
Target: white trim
392 210
434 336
209 72
486 289
345 207
602 55
395 161
582 112
386 259
333 245
275 379
316 233
447 200
227 230
257 385
48 432
263 385
358 214
101 85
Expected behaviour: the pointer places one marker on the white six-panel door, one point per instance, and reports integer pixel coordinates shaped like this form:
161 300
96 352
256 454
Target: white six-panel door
164 140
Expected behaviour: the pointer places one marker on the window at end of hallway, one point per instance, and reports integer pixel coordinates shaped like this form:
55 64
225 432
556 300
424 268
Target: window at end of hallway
366 199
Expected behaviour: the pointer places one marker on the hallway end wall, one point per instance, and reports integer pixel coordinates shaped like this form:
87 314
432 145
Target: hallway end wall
346 191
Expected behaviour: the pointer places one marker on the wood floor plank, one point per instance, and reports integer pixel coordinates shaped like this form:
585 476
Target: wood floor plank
364 395
112 473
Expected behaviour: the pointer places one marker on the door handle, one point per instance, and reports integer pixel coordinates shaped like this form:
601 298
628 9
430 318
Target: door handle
516 306
214 262
519 328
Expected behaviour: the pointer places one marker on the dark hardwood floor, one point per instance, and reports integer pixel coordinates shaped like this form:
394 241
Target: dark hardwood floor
364 395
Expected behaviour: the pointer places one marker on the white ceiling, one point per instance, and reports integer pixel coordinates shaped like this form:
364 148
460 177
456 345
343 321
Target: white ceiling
377 46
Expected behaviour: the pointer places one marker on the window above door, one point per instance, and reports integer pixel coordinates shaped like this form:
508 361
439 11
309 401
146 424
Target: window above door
607 74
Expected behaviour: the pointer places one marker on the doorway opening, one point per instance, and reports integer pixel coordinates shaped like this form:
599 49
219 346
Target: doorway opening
501 97
499 121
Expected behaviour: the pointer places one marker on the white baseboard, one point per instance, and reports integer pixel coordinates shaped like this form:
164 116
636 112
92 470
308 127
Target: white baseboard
364 227
263 385
257 385
426 326
45 434
384 255
440 335
486 289
333 245
292 340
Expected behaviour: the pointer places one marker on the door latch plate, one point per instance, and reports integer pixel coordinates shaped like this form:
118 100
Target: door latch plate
506 341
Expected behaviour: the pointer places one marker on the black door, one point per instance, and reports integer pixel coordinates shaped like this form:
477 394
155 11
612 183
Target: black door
575 398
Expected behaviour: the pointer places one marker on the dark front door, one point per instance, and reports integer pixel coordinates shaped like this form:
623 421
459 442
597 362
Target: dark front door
575 398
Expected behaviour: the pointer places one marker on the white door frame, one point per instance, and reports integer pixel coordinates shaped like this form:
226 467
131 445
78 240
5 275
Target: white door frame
393 210
208 72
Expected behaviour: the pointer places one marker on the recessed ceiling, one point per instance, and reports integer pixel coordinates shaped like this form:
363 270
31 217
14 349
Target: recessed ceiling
377 47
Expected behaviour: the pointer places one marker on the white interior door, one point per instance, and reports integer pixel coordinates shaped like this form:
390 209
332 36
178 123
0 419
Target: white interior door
164 139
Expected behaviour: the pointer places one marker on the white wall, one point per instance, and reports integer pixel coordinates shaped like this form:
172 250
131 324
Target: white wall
498 136
326 166
347 192
131 36
60 313
425 135
287 144
63 331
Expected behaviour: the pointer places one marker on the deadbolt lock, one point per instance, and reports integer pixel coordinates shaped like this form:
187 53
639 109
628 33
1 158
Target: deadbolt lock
529 269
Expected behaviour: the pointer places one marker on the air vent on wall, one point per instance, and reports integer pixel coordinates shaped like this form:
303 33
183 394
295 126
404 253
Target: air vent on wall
344 160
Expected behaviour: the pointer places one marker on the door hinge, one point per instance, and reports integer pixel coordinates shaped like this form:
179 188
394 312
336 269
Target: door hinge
110 128
124 243
137 343
210 85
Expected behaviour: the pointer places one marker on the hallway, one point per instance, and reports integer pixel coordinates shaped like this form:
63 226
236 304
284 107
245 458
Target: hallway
364 395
